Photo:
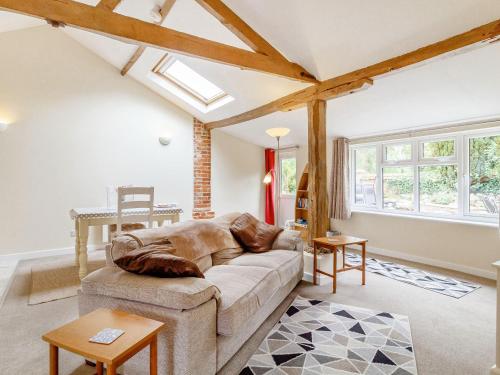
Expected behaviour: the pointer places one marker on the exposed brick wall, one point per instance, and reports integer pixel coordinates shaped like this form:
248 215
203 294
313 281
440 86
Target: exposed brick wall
202 163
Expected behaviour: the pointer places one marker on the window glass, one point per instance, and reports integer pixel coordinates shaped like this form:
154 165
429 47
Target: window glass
398 152
398 188
438 149
365 164
484 175
193 81
438 189
288 176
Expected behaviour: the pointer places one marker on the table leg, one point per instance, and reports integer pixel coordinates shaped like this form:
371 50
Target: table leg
83 238
54 360
160 222
315 264
334 269
363 263
111 369
99 368
77 243
343 256
153 356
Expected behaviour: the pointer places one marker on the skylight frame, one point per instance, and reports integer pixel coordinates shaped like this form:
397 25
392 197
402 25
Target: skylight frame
167 61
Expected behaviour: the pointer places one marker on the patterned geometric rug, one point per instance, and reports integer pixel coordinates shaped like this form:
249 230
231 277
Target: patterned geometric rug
431 281
317 337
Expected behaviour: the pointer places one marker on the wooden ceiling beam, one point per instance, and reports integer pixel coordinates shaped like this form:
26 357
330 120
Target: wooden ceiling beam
108 4
164 11
243 31
131 30
330 88
240 28
293 101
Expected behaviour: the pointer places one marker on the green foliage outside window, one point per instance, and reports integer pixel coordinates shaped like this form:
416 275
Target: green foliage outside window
289 176
485 165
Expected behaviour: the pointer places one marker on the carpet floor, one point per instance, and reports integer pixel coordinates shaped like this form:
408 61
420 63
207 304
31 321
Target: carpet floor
450 336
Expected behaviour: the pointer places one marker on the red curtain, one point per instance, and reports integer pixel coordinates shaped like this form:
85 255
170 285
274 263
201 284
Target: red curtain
269 153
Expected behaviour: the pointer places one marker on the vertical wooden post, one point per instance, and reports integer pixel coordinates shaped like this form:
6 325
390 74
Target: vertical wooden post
318 201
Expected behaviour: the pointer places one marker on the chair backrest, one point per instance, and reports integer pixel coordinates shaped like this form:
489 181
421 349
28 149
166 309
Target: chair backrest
490 204
125 206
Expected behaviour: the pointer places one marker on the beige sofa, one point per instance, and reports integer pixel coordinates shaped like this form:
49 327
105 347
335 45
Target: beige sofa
207 320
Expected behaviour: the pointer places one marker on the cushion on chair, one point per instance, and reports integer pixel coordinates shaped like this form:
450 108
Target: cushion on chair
243 291
254 235
179 293
285 262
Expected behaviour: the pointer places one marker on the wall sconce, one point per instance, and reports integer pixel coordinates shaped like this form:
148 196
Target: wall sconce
165 141
3 127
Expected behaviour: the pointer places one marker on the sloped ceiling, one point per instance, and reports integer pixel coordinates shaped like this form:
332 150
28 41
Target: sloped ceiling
329 37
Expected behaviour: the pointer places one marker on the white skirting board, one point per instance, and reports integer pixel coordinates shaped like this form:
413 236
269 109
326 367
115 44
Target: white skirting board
44 253
433 262
399 255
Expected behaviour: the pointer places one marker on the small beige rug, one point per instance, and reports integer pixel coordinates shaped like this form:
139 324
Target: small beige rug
57 279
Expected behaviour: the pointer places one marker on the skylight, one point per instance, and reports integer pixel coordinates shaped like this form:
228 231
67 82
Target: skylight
193 81
189 85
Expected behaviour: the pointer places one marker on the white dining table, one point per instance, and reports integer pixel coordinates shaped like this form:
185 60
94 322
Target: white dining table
100 216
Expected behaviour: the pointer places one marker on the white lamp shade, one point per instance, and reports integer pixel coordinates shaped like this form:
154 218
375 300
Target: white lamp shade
3 127
278 132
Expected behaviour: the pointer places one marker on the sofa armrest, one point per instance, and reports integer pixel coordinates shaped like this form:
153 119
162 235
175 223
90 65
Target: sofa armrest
180 293
287 240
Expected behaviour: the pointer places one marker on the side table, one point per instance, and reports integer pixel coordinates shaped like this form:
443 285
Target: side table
74 337
333 243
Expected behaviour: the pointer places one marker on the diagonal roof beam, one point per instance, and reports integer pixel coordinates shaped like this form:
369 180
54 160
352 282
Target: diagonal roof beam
240 28
132 30
108 4
329 89
165 10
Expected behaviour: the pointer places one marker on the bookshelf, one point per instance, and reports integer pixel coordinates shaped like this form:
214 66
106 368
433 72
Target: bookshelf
302 204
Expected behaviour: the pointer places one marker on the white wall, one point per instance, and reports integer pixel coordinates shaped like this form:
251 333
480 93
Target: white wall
465 247
78 126
237 174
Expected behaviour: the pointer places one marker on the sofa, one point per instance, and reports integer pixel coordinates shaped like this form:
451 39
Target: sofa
207 320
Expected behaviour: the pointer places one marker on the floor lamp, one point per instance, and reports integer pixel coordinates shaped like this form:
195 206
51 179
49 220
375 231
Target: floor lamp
276 133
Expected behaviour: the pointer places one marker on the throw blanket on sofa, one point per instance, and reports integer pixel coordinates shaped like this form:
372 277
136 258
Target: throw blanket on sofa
192 239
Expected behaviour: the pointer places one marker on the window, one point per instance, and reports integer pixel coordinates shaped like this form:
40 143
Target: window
484 175
438 189
438 149
397 153
365 166
453 175
189 85
288 178
398 188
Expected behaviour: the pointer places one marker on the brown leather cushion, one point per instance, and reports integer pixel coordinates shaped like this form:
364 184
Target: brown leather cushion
157 260
254 235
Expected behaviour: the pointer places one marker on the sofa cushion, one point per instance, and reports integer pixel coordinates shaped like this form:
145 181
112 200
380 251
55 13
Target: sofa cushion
243 291
287 240
221 257
254 235
287 263
178 293
158 261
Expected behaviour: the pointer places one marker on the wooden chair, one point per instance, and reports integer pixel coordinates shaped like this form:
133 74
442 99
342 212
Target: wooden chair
127 220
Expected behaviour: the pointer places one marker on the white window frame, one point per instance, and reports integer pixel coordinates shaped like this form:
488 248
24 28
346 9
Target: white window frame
460 159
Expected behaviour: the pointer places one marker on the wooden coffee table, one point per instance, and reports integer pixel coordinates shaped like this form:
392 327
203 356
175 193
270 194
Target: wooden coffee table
74 337
333 243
